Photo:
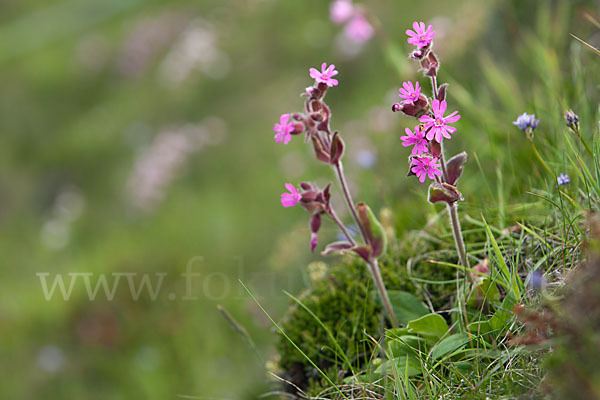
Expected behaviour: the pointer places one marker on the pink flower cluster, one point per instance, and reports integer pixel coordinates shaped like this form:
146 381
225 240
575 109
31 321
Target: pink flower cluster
357 29
434 125
286 128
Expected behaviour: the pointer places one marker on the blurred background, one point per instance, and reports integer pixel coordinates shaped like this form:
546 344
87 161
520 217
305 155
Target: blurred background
136 137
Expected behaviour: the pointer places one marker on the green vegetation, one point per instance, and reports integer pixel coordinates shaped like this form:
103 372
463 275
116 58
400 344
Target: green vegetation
96 93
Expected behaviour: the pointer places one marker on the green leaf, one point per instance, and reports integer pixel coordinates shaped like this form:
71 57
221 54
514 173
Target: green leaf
449 345
407 345
503 316
431 326
510 281
479 327
402 366
484 290
406 306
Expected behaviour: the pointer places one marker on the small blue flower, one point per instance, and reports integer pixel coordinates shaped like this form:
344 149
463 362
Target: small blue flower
571 119
537 281
525 121
563 179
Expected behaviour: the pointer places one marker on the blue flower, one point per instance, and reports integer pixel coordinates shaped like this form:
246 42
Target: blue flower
526 121
563 179
537 281
571 119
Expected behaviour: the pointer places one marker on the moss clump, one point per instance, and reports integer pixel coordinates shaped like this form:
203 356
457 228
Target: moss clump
343 298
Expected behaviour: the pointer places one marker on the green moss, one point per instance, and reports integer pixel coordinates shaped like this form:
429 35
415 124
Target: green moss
345 301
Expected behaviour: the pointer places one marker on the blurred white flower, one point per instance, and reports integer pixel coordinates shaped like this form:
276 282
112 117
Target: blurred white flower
67 208
146 41
196 49
50 358
159 163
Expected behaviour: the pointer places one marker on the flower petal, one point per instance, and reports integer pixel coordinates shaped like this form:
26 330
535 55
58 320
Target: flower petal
443 105
452 118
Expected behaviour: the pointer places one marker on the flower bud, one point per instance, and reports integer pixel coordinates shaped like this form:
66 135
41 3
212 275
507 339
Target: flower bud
373 230
337 148
416 109
572 119
441 95
315 225
313 199
321 148
430 64
316 116
435 148
416 55
298 128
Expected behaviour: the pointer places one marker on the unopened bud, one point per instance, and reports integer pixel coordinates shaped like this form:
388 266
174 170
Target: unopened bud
441 95
316 116
572 119
298 128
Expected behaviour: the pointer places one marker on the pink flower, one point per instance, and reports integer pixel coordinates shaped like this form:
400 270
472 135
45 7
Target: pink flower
417 139
426 167
325 76
409 93
292 198
437 127
340 11
359 30
420 37
283 129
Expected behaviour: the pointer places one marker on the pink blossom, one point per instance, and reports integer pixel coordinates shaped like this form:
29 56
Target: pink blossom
409 93
341 11
437 127
359 30
283 129
326 74
420 37
292 198
425 167
417 139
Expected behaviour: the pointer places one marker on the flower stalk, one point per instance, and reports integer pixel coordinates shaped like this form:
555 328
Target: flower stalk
329 148
428 138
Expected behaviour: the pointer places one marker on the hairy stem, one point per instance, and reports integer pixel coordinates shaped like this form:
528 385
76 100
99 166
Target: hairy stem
339 169
376 273
434 86
443 161
462 254
372 263
458 238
